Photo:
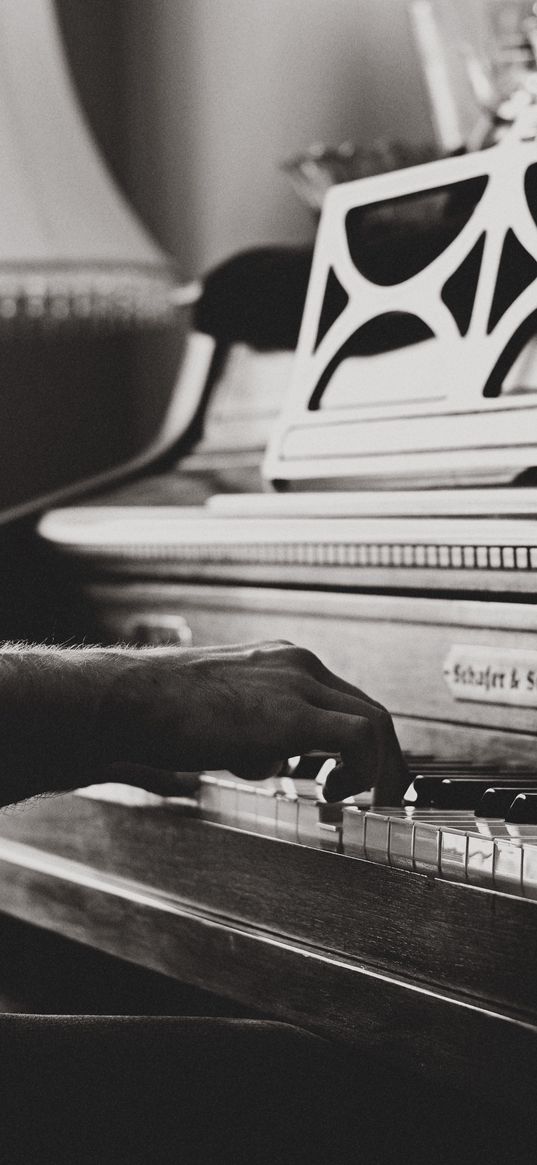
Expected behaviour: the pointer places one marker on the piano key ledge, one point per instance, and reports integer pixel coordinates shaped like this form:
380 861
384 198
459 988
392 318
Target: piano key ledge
452 844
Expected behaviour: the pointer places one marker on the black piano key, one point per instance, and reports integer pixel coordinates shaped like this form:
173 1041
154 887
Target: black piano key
453 792
459 767
497 800
454 768
523 810
440 792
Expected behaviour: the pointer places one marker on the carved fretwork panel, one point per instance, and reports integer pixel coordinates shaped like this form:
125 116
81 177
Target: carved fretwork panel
417 359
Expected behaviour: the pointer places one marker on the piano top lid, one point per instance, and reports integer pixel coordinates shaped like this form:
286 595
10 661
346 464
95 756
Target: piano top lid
392 547
416 363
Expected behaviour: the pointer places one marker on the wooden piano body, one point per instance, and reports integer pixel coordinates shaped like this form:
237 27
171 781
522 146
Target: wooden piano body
424 598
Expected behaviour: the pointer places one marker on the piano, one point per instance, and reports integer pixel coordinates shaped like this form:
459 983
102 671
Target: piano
400 544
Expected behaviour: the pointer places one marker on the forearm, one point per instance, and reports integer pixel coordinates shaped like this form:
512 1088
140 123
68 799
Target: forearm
52 731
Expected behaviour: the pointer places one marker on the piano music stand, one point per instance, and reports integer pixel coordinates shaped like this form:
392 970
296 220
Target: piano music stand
412 367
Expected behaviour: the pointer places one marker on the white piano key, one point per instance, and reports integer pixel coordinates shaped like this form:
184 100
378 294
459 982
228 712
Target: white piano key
266 811
330 818
401 843
525 837
482 851
228 801
480 860
507 866
330 836
426 847
353 831
287 817
529 869
521 832
457 818
491 827
453 854
308 821
209 797
246 807
376 837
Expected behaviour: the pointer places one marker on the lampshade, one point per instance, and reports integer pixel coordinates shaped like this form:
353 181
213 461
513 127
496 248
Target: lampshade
70 246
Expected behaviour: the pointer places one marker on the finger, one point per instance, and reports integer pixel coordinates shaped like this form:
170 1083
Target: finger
160 781
344 781
339 700
258 767
167 784
391 778
353 737
338 684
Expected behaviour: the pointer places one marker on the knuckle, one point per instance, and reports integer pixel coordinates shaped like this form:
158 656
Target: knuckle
307 659
265 649
383 718
273 649
363 729
292 655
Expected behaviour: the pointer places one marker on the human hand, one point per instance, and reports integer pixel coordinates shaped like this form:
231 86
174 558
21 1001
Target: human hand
247 708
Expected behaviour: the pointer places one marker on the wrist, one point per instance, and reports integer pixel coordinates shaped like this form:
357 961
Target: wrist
128 715
50 718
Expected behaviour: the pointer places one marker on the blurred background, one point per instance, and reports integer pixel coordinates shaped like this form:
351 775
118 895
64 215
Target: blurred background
196 103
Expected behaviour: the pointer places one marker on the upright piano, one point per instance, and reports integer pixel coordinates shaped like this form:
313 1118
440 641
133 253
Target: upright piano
396 536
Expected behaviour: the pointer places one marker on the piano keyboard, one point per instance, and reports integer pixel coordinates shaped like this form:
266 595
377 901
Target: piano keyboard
475 825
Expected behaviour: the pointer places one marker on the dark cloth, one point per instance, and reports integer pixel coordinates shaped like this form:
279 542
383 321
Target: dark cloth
97 1090
81 1089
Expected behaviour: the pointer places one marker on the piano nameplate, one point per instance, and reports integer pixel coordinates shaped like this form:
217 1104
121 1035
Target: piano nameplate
488 675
